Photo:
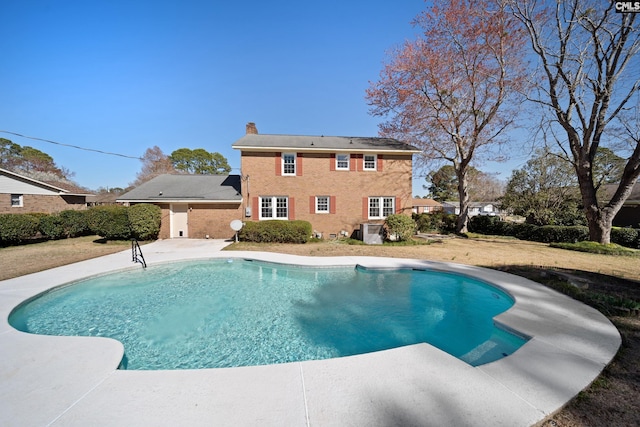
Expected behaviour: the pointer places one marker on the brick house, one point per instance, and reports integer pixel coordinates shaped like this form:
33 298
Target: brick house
335 183
21 194
196 206
425 206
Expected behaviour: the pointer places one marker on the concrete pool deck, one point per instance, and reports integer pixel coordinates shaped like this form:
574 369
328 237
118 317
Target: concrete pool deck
74 381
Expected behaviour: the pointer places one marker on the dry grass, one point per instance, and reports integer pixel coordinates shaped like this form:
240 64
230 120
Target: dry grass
20 260
611 400
488 252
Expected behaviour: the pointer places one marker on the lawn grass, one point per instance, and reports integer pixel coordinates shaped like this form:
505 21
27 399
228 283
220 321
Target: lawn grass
597 248
30 258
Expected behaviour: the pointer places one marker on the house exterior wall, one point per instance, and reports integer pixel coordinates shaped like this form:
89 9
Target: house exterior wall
421 206
165 221
316 175
9 184
213 220
425 209
42 203
203 219
35 198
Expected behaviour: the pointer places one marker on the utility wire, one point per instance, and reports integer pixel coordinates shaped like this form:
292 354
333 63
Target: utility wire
72 146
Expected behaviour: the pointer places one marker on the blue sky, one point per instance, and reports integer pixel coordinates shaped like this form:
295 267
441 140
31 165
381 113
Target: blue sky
123 76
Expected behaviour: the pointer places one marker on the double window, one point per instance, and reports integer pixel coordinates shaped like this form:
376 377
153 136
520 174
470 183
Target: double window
381 207
363 162
274 207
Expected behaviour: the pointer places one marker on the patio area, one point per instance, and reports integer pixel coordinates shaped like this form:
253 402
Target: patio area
74 381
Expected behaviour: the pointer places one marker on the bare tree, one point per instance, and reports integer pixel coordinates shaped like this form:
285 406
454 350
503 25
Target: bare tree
585 50
449 91
154 163
485 187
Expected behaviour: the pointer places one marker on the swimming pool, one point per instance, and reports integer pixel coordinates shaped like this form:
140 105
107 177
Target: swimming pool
234 312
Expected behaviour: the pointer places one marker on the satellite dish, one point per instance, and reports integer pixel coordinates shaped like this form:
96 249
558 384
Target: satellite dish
236 225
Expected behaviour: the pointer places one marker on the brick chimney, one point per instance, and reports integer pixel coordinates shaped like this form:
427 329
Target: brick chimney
252 129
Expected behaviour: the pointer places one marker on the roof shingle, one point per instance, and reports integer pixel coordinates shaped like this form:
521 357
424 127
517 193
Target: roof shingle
322 143
202 188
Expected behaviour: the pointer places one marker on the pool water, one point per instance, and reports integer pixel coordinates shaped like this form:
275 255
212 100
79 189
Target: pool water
228 313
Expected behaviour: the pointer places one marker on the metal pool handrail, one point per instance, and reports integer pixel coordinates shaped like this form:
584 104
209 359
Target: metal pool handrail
136 253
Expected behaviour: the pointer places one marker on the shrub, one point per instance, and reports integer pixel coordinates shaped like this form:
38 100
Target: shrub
507 228
485 224
275 231
110 222
52 227
628 237
144 220
448 223
402 226
524 231
424 222
16 228
75 223
574 234
438 221
560 234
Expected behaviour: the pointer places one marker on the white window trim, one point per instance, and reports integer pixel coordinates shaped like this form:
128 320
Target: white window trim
380 200
274 207
375 162
318 211
295 164
20 201
348 167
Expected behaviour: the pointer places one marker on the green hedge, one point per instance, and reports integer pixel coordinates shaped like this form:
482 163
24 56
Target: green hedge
275 231
493 225
629 237
64 224
52 227
437 221
18 228
560 234
110 222
144 220
75 223
485 224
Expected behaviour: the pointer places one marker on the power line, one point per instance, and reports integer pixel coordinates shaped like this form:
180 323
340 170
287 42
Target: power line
72 146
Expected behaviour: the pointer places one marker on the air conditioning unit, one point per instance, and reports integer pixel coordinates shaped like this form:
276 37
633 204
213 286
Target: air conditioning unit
372 234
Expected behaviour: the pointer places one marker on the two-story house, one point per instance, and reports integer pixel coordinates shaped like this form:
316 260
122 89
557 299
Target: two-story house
336 183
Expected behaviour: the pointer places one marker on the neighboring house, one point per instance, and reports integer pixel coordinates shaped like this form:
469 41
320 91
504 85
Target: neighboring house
425 206
196 206
475 208
335 183
451 207
629 213
20 194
